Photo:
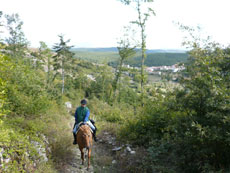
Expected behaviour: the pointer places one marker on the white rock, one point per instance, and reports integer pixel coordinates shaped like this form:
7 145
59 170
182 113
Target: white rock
7 160
41 150
116 149
1 155
133 152
68 105
128 149
89 76
114 162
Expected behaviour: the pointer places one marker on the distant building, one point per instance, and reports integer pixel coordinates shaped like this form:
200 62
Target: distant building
174 68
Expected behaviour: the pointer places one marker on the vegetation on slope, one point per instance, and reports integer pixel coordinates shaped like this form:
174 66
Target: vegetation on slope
103 56
160 59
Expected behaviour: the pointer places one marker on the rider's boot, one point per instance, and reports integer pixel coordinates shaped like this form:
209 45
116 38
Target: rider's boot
75 139
94 134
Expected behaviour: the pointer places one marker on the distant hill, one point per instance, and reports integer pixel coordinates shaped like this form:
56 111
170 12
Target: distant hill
155 57
114 49
109 49
159 59
165 51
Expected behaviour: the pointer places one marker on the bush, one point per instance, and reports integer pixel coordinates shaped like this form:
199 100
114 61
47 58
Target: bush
117 113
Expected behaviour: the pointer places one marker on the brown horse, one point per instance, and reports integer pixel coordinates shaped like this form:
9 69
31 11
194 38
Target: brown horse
84 140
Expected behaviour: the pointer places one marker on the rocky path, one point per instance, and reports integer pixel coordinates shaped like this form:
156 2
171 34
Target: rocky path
101 159
75 166
108 156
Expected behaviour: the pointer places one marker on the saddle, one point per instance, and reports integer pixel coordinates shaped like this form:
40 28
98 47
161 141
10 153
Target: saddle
82 123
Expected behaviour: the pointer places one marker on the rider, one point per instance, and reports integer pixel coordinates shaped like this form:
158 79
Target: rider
82 115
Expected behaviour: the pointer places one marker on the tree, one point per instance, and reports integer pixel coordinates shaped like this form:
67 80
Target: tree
17 43
1 24
62 59
126 50
102 86
45 55
4 64
143 16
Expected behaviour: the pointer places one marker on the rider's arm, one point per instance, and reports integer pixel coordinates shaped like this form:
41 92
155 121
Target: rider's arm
86 116
75 115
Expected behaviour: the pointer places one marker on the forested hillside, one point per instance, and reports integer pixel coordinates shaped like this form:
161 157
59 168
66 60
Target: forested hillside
159 59
111 56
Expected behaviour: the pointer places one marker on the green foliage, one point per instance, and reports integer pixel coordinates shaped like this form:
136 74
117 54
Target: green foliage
25 90
44 60
105 112
185 129
143 14
59 133
4 64
111 58
97 57
188 128
62 60
126 50
16 41
24 102
17 142
205 98
159 59
102 86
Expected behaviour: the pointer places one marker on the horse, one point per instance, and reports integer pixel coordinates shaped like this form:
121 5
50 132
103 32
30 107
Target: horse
85 140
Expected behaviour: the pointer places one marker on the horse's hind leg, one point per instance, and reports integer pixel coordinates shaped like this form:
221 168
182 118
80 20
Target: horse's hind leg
82 156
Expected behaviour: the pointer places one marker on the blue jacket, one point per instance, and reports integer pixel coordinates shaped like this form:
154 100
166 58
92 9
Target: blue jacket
82 114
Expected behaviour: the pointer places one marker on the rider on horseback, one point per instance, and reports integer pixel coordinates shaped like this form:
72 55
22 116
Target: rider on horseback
82 115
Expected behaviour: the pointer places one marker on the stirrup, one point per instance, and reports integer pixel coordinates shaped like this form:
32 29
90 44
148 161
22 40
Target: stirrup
74 142
95 138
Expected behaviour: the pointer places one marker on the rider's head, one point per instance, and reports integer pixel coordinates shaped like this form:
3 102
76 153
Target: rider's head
83 102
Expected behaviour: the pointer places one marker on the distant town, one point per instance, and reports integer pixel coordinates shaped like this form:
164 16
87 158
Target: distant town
158 69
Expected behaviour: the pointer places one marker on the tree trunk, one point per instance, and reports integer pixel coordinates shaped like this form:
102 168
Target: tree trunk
63 78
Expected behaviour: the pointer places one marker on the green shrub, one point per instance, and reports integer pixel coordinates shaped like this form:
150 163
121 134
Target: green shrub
118 113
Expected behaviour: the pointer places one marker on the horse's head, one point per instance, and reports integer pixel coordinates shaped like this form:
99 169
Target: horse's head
85 136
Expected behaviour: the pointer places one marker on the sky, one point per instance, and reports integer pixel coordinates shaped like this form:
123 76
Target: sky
99 23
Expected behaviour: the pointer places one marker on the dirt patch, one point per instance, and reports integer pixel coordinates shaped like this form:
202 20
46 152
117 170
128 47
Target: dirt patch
113 156
75 166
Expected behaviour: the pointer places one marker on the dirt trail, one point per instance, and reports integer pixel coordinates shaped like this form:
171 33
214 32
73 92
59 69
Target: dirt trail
75 166
101 160
104 159
108 156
